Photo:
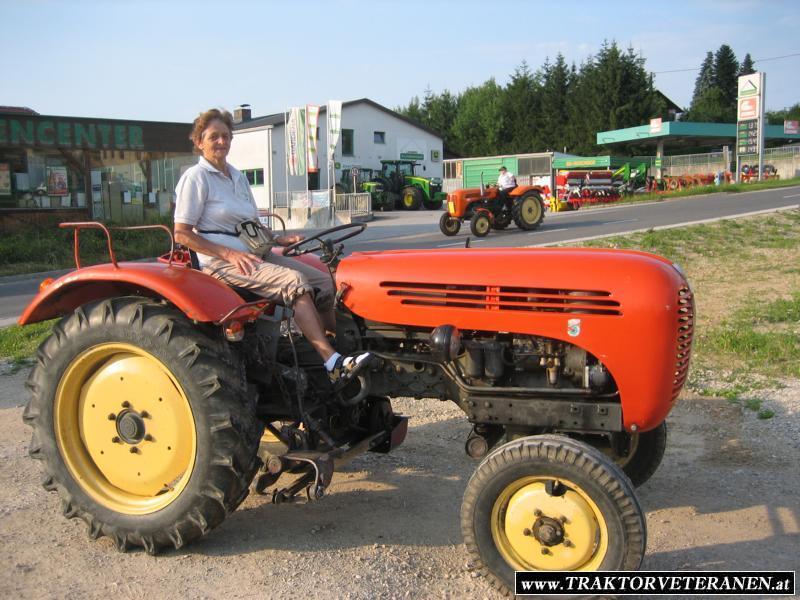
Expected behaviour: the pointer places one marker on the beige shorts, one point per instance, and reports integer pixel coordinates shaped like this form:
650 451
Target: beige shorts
279 279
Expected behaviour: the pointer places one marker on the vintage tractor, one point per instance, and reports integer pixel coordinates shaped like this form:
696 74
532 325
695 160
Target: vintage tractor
150 398
360 179
405 189
485 209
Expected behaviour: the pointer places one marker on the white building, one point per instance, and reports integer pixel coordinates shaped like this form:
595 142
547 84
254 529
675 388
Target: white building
370 133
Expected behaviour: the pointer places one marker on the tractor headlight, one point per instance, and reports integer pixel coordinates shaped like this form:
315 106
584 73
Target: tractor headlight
445 343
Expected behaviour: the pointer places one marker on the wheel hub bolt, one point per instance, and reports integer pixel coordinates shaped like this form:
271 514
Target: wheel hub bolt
112 417
545 551
126 404
526 531
134 450
568 544
537 513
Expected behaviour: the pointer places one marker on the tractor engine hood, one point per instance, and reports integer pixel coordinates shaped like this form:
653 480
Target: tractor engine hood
632 310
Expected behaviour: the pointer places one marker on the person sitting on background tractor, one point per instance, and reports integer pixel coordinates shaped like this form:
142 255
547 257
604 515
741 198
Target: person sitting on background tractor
213 199
505 183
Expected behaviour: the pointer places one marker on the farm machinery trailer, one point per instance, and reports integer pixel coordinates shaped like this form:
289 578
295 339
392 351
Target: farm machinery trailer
150 398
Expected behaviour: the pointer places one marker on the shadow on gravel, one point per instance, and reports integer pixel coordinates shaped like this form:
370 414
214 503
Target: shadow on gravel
411 496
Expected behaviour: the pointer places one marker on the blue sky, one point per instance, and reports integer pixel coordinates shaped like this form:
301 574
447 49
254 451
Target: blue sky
167 61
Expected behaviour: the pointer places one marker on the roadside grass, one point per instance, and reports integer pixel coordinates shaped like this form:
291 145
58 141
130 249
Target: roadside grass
18 344
46 247
753 341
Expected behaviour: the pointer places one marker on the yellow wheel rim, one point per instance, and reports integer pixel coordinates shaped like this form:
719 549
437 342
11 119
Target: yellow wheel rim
536 531
125 429
408 200
531 210
482 225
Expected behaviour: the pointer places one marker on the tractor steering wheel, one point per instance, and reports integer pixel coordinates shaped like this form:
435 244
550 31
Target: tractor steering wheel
325 243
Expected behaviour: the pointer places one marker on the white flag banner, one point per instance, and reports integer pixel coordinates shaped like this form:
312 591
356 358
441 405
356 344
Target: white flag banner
296 141
312 118
334 125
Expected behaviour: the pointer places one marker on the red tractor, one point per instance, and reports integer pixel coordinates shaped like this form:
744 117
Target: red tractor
485 209
163 396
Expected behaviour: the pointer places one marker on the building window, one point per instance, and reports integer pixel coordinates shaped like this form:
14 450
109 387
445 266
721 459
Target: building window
347 142
380 137
254 176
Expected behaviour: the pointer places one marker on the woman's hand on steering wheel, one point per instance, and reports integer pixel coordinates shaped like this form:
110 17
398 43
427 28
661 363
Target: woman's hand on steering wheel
298 248
288 240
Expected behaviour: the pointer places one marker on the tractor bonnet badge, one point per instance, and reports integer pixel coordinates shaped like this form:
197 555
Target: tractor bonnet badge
574 327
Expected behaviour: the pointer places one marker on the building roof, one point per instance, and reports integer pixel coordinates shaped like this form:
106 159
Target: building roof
20 110
685 133
277 119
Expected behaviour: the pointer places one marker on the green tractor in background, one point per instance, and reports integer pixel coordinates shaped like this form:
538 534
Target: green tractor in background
362 180
406 190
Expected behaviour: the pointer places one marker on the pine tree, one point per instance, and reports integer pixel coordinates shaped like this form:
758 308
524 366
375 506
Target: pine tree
705 79
554 111
725 69
521 112
747 67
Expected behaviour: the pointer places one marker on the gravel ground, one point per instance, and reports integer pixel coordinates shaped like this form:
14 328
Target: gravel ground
725 497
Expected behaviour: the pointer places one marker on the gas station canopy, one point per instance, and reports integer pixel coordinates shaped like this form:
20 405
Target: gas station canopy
677 134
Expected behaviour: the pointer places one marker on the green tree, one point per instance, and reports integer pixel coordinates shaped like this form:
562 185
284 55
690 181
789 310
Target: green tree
478 127
747 67
440 113
726 68
521 112
554 113
705 79
712 107
777 117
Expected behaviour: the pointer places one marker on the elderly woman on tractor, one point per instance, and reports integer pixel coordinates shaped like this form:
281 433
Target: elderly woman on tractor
214 205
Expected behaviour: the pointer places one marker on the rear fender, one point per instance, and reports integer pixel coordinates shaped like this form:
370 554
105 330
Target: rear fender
199 296
521 190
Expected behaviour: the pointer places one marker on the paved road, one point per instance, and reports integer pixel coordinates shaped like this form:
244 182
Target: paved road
392 230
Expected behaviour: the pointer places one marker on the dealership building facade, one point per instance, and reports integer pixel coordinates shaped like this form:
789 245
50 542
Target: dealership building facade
117 170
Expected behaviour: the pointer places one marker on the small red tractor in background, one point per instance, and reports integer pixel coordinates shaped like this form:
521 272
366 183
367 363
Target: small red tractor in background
150 400
485 209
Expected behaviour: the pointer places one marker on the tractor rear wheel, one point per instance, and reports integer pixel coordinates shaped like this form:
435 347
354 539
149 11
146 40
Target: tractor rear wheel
142 422
528 211
449 225
411 198
549 502
480 224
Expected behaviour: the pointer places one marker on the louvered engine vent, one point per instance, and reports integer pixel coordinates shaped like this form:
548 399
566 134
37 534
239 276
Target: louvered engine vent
481 297
684 339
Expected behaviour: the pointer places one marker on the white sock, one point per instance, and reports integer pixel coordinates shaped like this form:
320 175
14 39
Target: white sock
331 362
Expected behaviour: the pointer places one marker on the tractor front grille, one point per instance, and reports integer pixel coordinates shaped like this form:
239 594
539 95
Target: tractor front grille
481 297
684 338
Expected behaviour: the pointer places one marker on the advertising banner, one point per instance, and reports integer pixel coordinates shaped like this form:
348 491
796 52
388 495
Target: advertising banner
57 181
5 179
296 141
791 127
334 125
312 118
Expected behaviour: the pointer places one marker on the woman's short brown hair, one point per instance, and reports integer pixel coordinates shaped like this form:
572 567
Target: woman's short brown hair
202 121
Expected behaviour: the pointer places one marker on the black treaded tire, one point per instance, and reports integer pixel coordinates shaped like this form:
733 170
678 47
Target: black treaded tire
208 378
528 211
411 198
502 220
645 452
449 225
480 225
499 489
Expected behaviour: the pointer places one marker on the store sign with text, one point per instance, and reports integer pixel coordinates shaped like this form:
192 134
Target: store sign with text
57 133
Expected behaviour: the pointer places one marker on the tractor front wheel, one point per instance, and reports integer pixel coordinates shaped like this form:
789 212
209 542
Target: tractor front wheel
480 224
142 422
528 211
549 502
449 225
411 198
